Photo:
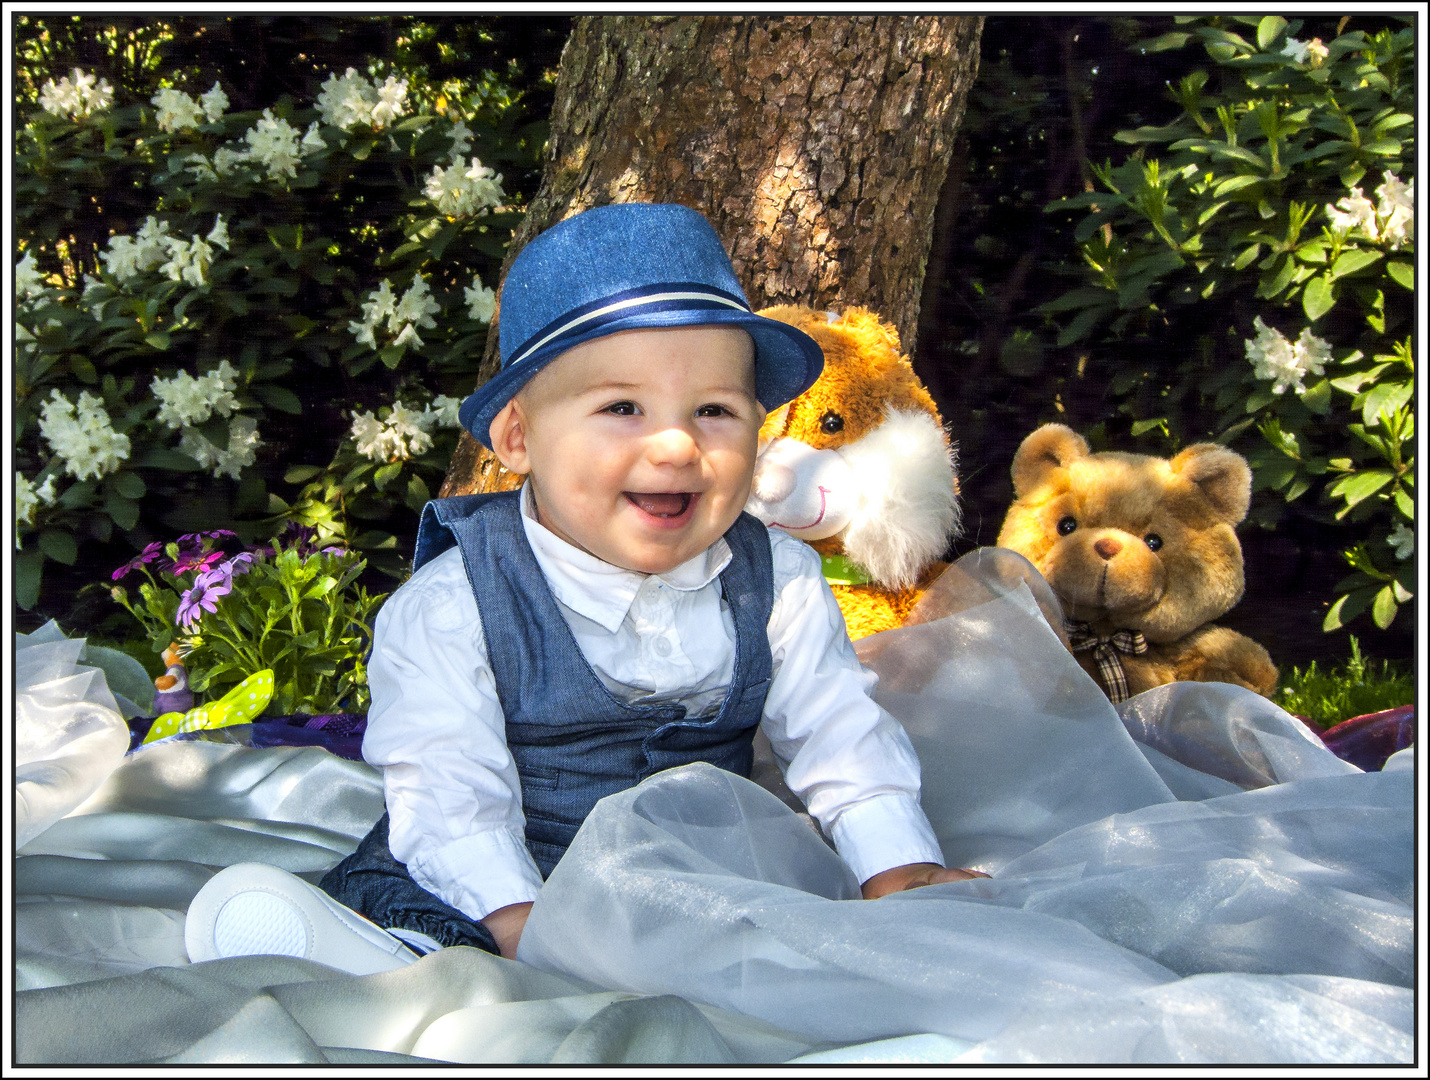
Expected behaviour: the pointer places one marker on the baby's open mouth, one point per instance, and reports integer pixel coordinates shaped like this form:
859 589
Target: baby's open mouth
661 504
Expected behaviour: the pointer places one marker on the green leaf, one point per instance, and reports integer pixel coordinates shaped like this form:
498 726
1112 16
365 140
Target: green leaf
1081 325
125 512
1235 183
1268 30
1141 427
386 473
1318 398
59 546
1402 274
158 340
1345 609
1404 503
299 474
130 485
392 356
1164 42
1348 262
1247 257
168 459
1319 297
28 571
1384 609
1384 147
1383 400
280 398
1360 486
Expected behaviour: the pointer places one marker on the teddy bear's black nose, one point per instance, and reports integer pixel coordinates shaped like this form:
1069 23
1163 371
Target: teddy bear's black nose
1107 547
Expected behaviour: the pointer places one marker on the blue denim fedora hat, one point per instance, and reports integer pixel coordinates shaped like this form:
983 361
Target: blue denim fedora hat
629 266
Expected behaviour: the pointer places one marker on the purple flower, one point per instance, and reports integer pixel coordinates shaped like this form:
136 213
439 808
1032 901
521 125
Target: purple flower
219 580
335 551
241 563
204 596
202 561
148 555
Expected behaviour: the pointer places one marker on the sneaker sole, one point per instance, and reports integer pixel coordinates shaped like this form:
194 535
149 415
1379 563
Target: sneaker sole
252 909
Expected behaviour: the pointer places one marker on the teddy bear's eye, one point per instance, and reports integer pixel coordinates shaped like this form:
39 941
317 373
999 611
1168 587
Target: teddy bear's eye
1067 525
831 423
1153 541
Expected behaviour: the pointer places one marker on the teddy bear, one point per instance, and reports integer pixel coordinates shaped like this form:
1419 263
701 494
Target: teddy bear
1142 552
860 467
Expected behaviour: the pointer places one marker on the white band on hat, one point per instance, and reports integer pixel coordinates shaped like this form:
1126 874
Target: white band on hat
652 298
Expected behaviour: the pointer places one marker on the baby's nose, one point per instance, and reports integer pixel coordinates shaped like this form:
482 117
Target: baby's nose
673 445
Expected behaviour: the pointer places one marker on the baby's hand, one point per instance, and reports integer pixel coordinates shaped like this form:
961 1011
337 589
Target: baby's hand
912 876
506 925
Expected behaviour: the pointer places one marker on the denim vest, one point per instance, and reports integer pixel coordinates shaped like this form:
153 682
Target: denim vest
573 741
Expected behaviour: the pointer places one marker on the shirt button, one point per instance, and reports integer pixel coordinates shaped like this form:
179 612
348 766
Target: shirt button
662 647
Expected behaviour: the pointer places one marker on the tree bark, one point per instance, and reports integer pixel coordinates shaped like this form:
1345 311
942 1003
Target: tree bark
816 146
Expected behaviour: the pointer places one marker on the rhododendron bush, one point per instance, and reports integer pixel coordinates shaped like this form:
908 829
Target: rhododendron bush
1255 258
275 323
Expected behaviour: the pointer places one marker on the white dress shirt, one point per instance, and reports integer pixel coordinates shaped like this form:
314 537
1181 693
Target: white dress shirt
436 729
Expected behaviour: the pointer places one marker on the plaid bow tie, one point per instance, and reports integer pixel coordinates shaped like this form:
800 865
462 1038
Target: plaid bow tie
1104 651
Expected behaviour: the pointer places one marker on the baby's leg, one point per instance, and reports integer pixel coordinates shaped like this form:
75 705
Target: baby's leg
377 886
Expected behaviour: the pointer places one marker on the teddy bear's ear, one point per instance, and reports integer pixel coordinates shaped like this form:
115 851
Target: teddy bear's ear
1052 446
1222 474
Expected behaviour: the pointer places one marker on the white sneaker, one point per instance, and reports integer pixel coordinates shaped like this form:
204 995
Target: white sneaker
252 909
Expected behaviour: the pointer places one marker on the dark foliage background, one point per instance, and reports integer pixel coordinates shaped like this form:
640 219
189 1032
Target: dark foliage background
1051 94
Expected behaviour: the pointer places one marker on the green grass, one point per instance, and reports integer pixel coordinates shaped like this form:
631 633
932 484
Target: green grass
1353 688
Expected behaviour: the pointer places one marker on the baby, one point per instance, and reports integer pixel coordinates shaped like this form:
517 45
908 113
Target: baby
619 615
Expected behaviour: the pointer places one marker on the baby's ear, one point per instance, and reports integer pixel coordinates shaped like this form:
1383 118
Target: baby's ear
1223 476
1052 446
508 436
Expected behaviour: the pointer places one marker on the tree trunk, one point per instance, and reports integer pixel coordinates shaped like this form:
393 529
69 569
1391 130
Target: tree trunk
816 146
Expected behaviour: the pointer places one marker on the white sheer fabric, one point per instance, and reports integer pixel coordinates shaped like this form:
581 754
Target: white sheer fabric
1193 880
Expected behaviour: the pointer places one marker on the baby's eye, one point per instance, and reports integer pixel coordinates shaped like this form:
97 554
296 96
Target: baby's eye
713 409
622 408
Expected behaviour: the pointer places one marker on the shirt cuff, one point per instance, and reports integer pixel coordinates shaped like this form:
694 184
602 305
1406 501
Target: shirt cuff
480 873
882 832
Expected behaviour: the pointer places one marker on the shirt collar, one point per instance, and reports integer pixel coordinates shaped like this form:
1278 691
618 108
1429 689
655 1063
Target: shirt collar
599 591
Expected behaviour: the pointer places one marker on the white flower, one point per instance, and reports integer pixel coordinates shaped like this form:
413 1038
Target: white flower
416 306
404 433
243 440
1401 538
273 143
367 433
177 110
459 191
200 167
1296 50
225 159
28 498
312 141
1396 211
343 102
218 235
443 411
29 283
408 337
481 301
1356 214
391 96
77 99
1272 356
352 100
185 400
92 298
83 436
461 141
214 103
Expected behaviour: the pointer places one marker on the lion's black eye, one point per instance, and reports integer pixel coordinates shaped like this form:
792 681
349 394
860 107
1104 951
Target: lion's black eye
831 423
1067 525
1153 541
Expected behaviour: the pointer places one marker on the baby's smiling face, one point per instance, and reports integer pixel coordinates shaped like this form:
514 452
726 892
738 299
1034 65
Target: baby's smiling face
640 446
